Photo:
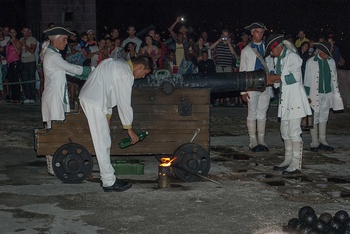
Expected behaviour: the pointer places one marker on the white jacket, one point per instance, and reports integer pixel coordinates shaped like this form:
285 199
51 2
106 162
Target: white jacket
311 82
55 101
293 100
110 85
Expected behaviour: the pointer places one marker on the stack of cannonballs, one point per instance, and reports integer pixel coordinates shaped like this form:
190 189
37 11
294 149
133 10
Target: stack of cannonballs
308 222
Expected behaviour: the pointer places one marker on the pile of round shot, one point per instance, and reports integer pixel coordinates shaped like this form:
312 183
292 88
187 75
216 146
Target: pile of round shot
309 223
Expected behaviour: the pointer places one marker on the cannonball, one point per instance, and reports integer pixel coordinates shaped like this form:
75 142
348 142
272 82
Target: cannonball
325 217
346 223
341 215
331 230
304 228
309 218
334 223
345 230
303 210
320 225
314 231
293 224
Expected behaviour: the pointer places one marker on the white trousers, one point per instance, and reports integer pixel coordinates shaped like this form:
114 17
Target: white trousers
291 130
324 100
101 138
258 103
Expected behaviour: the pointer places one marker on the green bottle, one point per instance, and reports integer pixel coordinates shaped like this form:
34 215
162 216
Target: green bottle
126 142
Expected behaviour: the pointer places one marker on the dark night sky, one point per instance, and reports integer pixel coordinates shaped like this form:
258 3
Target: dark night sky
286 16
317 17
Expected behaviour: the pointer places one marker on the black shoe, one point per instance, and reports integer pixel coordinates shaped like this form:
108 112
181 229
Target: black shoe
256 149
263 148
118 186
277 168
325 147
295 172
314 149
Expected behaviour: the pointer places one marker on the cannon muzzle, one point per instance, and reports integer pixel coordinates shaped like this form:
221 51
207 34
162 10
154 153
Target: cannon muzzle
217 83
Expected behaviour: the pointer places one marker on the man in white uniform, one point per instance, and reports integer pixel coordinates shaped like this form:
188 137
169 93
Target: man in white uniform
321 86
55 101
293 104
258 102
110 85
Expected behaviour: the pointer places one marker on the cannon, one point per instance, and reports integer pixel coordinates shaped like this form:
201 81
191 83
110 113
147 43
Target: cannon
175 111
217 83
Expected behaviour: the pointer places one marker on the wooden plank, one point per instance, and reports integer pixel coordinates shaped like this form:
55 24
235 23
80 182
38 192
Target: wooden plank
141 148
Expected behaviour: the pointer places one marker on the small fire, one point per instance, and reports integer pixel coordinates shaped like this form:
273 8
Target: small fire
166 162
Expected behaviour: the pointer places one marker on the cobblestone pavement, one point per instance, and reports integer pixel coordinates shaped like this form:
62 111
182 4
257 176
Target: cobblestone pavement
251 198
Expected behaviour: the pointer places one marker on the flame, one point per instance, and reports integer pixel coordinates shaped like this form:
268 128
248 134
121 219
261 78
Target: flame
166 162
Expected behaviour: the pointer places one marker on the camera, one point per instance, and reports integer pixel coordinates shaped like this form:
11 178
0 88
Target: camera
182 18
224 38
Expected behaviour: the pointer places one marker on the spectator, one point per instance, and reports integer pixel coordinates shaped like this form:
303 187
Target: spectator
258 102
206 43
239 47
158 38
322 88
109 45
200 47
225 54
132 38
151 50
301 38
339 61
311 47
303 52
114 33
13 52
206 65
28 60
168 63
129 51
5 88
116 53
179 49
182 30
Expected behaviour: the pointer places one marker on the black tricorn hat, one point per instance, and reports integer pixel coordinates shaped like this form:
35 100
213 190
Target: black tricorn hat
255 25
57 31
272 42
324 47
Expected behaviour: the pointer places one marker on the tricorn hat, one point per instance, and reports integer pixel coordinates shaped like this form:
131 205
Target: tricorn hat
255 25
272 42
325 47
57 31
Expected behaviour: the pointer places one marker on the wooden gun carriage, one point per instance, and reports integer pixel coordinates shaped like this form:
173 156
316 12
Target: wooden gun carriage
173 109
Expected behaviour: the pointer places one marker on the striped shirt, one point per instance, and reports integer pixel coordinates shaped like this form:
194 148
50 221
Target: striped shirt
223 54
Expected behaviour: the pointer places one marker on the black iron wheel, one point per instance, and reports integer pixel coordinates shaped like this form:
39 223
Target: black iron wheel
72 163
191 160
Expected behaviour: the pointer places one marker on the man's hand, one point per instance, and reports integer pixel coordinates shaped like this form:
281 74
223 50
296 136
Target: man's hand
133 136
245 97
272 79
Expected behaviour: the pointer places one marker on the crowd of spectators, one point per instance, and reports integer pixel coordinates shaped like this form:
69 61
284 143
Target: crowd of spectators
183 52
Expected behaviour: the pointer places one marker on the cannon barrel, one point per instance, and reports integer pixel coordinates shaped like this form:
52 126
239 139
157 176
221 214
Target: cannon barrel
217 83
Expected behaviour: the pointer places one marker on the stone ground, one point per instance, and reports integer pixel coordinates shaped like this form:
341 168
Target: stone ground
251 198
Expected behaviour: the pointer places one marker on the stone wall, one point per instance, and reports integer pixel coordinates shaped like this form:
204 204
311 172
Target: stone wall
80 15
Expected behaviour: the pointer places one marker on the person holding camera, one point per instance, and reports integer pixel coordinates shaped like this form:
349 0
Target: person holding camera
225 56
